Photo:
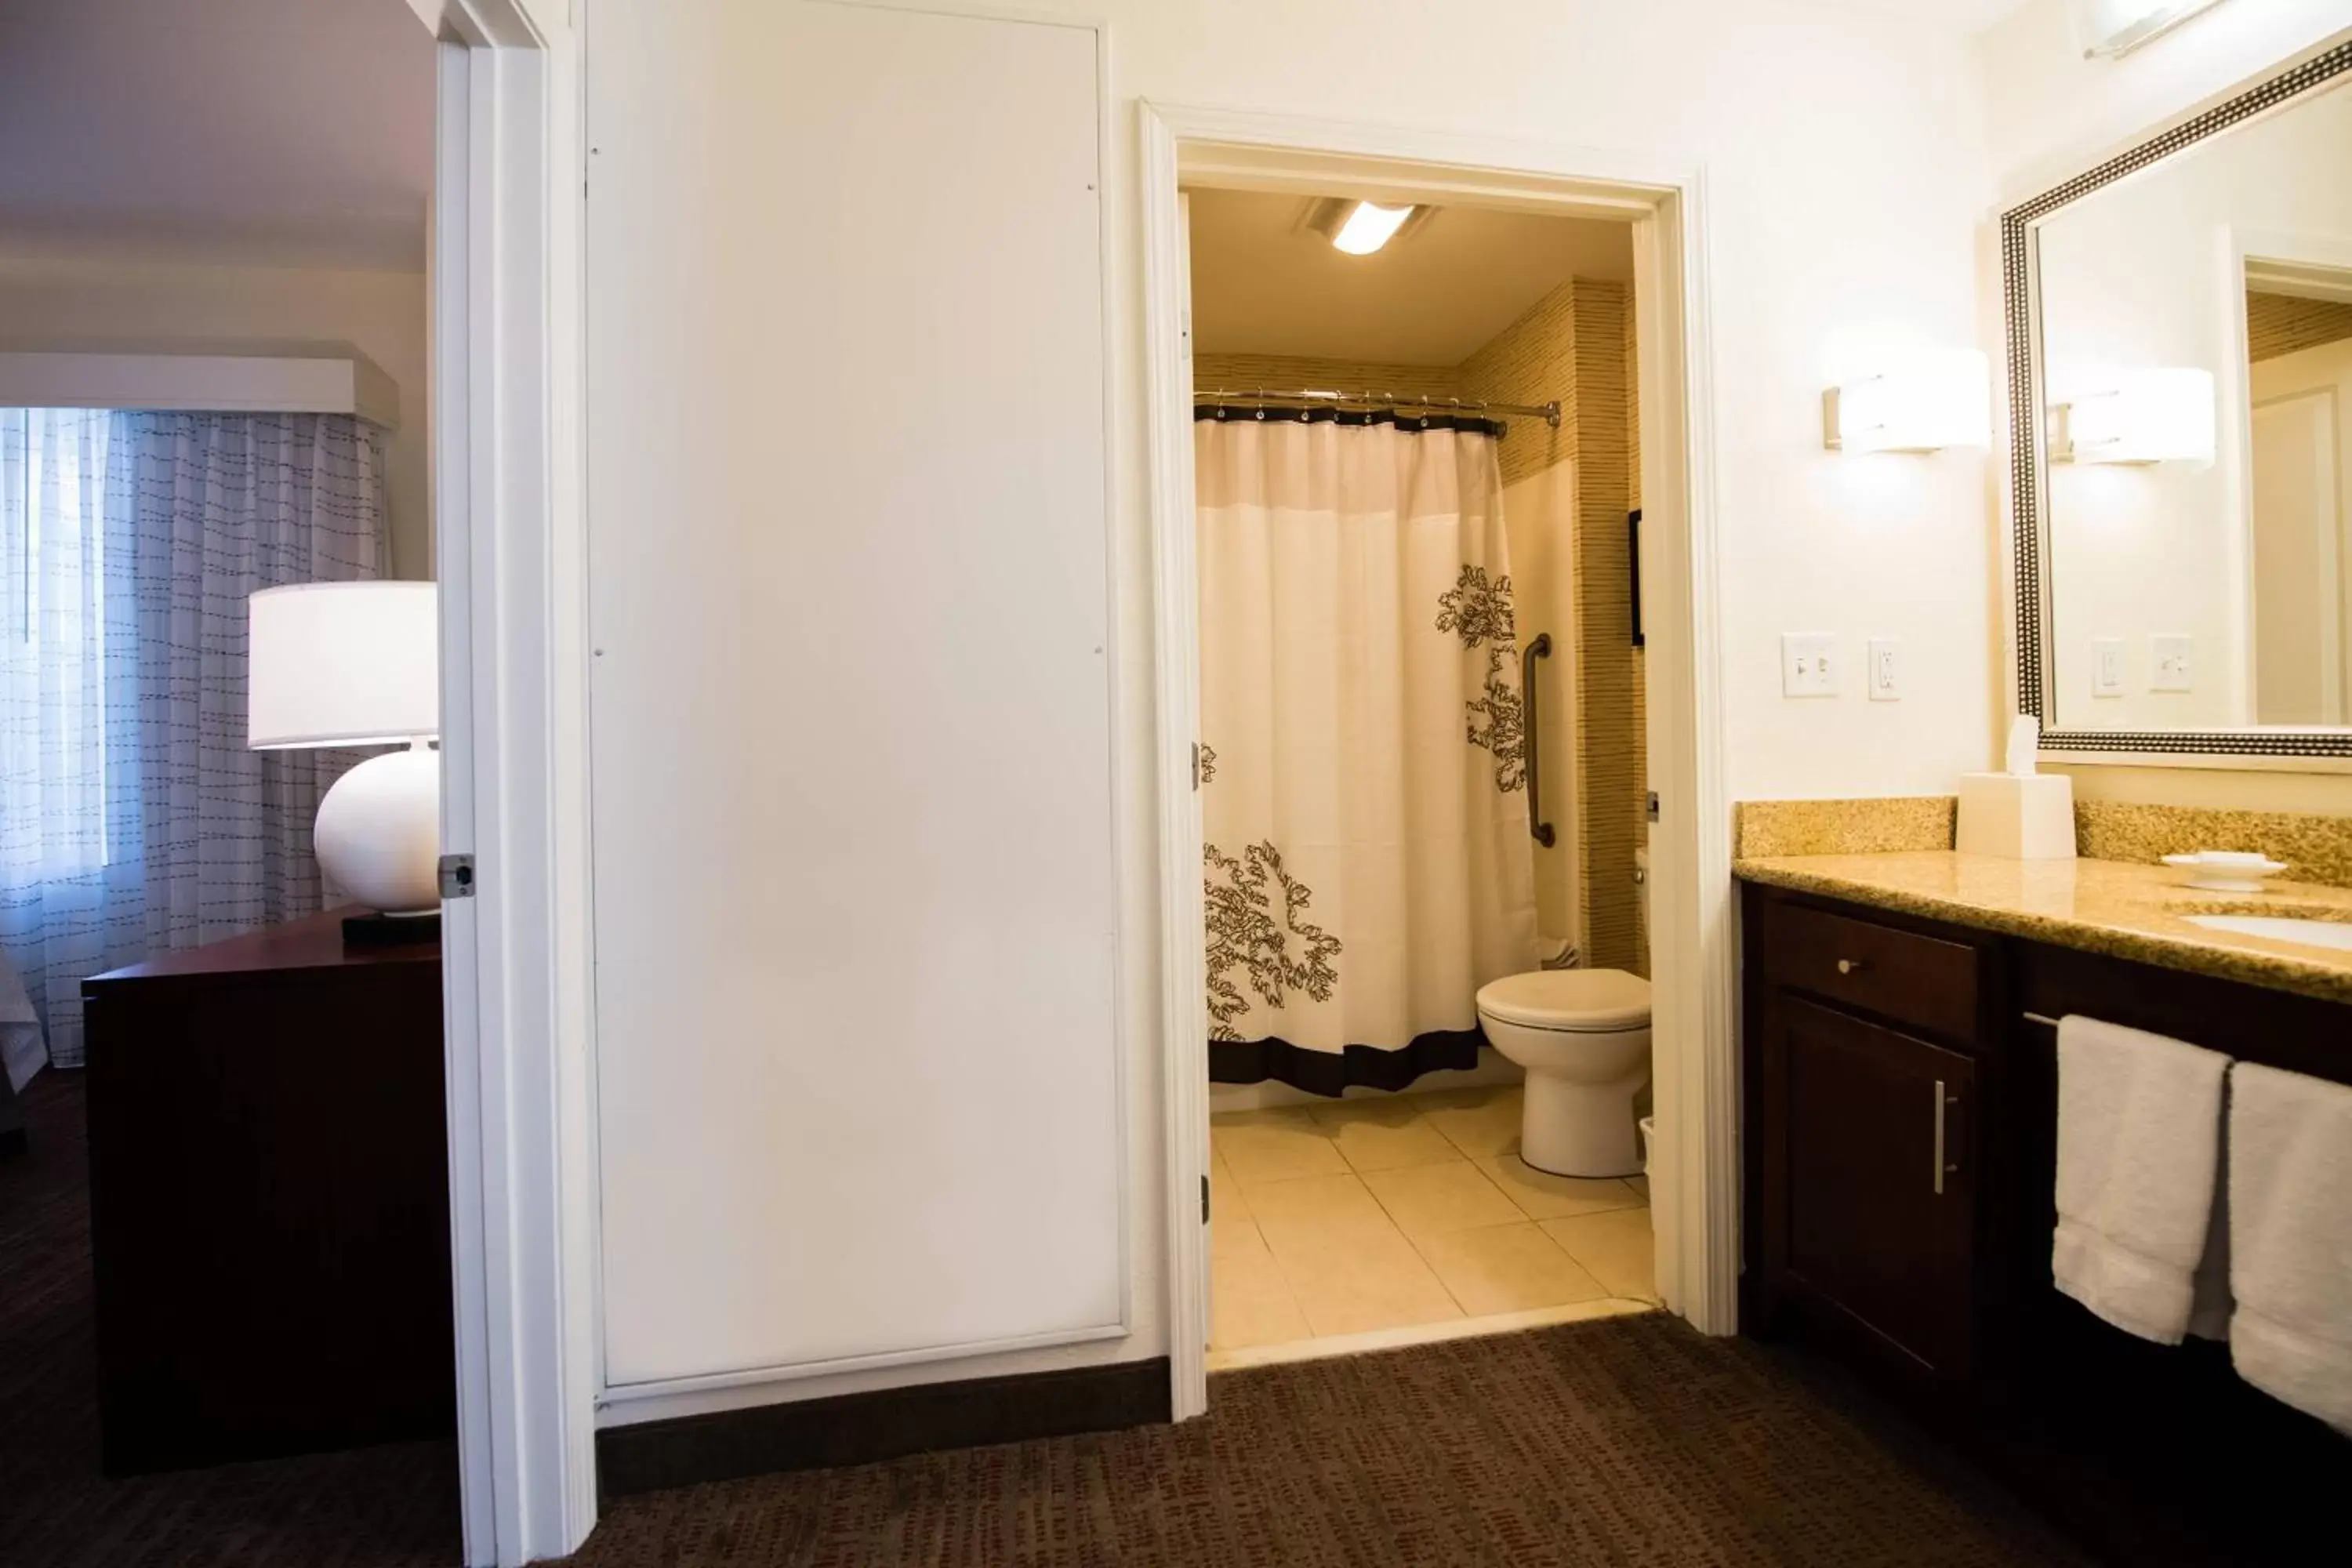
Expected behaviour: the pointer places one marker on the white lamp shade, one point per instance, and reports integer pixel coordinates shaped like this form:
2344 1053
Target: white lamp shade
343 664
2150 416
1924 403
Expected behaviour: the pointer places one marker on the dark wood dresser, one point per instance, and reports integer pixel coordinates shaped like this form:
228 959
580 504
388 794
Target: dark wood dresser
269 1199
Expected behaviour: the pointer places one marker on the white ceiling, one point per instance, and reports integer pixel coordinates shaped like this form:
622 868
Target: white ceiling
1263 285
281 132
1950 16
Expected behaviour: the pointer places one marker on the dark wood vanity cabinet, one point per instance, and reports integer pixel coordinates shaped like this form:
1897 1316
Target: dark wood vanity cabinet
1872 1204
1883 1052
1863 1089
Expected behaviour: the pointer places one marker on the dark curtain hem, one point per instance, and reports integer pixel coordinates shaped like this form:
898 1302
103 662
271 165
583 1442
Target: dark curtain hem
1327 1072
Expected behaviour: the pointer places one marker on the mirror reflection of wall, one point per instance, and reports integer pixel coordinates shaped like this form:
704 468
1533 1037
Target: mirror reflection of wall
2196 334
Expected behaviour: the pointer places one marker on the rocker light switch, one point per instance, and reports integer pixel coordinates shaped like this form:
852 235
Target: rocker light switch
2107 667
1809 664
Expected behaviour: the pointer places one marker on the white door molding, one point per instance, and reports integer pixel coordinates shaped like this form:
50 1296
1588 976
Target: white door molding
1694 1181
507 508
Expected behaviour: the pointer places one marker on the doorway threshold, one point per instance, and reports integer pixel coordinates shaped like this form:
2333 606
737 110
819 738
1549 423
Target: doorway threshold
1374 1339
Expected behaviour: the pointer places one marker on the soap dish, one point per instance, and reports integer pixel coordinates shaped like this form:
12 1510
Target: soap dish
2226 870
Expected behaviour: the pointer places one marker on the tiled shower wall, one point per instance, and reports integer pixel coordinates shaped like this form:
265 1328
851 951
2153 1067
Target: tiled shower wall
1288 372
1570 346
1576 346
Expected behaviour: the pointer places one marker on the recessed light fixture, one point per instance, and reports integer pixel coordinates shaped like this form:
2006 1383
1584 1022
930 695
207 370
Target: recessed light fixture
2112 27
1368 228
1359 228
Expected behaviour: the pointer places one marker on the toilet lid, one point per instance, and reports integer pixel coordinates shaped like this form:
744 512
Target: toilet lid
1586 1000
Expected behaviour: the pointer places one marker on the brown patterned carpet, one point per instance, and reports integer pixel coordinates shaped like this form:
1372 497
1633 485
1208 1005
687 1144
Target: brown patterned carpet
1628 1441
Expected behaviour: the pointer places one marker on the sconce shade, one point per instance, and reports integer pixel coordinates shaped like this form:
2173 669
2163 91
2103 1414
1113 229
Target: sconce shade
1924 404
2150 416
2112 27
342 664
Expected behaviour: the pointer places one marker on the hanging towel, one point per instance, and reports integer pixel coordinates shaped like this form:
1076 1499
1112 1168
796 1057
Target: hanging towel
2139 1135
2291 1258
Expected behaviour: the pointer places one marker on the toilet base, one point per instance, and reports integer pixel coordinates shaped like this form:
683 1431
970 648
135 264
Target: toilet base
1571 1129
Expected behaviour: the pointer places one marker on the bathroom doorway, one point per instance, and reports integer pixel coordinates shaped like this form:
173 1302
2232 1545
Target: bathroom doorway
1414 460
1362 1168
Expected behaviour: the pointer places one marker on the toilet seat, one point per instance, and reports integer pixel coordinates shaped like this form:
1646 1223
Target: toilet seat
1569 1001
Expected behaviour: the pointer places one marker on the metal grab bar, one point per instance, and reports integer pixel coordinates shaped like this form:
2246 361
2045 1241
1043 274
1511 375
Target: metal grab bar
1537 825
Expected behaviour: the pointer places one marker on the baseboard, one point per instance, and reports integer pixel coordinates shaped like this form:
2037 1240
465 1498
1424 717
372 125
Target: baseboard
882 1424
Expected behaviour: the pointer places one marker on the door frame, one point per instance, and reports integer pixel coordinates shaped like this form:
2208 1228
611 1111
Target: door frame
507 399
1695 1176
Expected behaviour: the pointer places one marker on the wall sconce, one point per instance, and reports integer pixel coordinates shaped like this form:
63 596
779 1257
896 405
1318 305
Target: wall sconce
2149 416
1925 404
2113 27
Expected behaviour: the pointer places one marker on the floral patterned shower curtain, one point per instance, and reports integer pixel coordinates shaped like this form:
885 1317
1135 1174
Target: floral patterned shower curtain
1364 789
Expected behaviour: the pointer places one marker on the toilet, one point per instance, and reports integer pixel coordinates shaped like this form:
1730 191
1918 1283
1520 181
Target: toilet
1584 1037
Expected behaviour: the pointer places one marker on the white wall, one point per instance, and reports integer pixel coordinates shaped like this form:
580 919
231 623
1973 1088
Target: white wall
1843 156
382 313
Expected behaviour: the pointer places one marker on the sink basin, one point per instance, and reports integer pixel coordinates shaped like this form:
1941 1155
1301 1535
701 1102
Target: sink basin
2335 934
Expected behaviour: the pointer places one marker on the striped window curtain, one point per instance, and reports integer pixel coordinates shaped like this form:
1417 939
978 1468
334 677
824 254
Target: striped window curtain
197 513
70 851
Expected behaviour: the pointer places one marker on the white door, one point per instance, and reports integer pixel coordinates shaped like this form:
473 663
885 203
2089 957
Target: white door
2299 672
857 1053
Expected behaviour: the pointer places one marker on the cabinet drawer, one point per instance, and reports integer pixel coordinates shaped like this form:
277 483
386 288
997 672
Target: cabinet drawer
1914 980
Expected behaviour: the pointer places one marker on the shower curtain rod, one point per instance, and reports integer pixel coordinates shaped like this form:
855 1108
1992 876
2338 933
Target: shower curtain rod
1547 412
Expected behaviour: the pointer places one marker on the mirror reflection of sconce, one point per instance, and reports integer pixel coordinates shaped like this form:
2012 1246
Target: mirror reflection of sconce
2147 416
1925 404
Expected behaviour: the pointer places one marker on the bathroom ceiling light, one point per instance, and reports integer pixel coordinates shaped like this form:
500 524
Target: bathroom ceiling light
1368 228
1924 404
2112 27
2146 416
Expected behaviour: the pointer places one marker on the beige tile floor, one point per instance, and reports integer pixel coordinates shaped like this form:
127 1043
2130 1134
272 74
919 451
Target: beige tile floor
1357 1215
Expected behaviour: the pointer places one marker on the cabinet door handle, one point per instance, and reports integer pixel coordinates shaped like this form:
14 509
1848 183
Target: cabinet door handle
1852 965
1942 1169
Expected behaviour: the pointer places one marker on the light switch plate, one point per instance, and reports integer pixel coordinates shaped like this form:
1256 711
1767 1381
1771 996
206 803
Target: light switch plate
2107 667
1809 664
2168 663
1883 675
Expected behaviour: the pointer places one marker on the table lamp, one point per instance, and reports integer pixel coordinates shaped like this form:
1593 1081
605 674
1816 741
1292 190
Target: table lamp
357 664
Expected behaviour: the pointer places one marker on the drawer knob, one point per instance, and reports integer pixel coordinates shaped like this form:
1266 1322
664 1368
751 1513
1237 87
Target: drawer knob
1852 965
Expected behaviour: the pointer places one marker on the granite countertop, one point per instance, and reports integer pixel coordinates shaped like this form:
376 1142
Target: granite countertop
2114 906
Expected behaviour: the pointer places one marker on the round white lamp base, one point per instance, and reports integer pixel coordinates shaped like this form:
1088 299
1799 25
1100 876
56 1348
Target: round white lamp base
379 832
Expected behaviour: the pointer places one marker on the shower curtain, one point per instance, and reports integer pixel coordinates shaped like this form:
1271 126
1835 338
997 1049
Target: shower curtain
1363 787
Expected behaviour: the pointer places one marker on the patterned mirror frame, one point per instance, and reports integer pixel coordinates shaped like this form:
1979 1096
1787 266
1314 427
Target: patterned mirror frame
2019 264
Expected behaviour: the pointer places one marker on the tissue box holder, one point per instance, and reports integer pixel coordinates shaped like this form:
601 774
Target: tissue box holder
2028 817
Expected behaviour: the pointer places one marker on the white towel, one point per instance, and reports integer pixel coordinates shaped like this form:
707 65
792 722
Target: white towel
2291 1254
2139 1136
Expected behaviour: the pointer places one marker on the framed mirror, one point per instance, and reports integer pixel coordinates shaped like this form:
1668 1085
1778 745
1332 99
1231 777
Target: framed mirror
2180 327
